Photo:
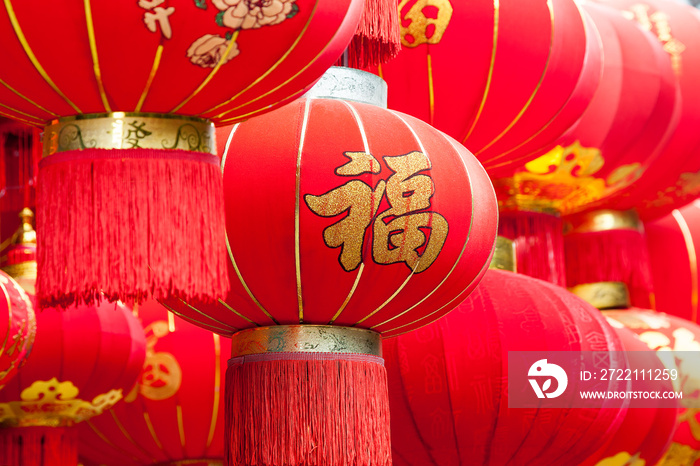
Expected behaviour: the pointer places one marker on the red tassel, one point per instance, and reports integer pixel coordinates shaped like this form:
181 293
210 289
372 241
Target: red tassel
130 224
39 446
321 409
539 244
377 39
613 255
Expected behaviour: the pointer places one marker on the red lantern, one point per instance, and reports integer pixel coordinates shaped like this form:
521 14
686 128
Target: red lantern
677 342
175 412
121 158
646 431
357 220
448 382
17 324
82 362
466 69
668 182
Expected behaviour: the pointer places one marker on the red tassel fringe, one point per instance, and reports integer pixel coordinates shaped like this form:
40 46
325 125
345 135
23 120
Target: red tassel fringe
378 38
614 255
539 244
316 409
130 224
39 446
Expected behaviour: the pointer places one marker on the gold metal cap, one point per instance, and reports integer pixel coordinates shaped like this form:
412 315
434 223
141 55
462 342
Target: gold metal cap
504 255
25 234
602 220
603 295
306 339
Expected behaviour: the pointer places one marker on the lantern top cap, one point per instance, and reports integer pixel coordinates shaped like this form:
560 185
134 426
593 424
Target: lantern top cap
25 234
350 84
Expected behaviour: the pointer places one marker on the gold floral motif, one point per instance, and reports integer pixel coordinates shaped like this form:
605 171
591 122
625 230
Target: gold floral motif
426 20
53 403
680 455
658 23
563 180
686 187
622 459
161 376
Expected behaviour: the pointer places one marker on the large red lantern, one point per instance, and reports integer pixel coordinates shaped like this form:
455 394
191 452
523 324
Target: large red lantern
126 145
17 324
677 342
344 221
175 412
81 363
466 69
647 428
448 382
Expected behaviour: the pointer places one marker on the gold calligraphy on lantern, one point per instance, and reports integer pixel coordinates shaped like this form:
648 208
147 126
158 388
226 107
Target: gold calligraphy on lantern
658 24
161 376
406 231
423 21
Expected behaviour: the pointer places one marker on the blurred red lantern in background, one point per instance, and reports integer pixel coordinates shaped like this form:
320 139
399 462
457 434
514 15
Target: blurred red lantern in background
121 134
448 382
501 96
358 220
646 431
17 324
81 363
175 412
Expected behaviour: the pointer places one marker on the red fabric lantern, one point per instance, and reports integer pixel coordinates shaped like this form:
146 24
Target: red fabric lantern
448 382
646 431
624 128
17 324
121 158
674 245
419 230
676 341
175 412
81 363
466 69
668 182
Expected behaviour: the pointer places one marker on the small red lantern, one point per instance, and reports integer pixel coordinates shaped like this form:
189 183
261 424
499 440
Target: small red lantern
175 412
81 364
448 382
126 145
17 324
344 221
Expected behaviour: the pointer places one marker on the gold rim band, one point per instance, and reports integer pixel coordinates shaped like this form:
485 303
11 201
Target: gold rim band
504 257
120 130
603 295
306 339
21 270
602 220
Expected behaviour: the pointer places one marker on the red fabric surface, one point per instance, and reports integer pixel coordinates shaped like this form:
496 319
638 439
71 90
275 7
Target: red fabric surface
275 62
674 244
17 328
670 181
268 179
612 255
646 431
184 371
125 224
307 409
677 342
448 381
502 96
539 244
39 446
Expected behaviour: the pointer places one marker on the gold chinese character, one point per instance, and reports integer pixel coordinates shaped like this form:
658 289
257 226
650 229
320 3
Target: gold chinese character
426 21
399 232
160 17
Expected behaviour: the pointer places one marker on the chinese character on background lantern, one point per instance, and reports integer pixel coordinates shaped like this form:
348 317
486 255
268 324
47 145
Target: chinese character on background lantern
424 22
